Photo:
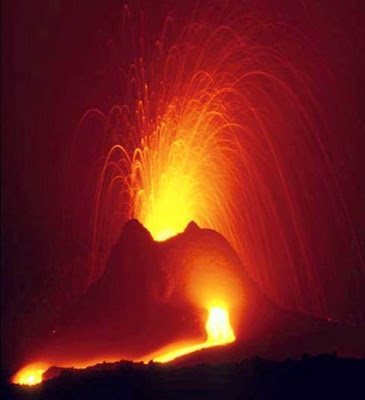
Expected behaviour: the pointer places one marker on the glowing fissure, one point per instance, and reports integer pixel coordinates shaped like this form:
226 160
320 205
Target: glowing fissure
218 329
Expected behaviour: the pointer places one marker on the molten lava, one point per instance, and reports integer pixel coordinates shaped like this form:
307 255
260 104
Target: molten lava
219 332
30 375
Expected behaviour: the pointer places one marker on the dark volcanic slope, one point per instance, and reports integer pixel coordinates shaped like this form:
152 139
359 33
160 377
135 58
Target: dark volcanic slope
265 329
324 377
140 305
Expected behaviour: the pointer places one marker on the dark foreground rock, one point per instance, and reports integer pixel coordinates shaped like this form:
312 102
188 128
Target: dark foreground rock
144 301
321 377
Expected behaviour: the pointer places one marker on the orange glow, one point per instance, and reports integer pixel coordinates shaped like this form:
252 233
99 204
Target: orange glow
219 332
30 375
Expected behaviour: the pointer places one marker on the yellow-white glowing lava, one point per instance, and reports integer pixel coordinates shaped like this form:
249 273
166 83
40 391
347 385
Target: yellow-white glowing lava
30 375
219 332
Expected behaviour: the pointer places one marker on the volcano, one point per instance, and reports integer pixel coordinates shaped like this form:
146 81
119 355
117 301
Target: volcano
154 298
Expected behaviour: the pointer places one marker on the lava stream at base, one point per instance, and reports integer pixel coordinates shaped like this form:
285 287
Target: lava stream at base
219 332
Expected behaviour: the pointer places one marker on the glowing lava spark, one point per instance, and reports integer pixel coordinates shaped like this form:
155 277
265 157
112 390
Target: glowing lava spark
219 332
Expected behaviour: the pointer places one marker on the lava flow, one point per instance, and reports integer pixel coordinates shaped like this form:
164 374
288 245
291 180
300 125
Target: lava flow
218 330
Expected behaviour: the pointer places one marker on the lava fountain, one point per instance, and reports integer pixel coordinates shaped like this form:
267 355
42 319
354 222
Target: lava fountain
200 135
218 125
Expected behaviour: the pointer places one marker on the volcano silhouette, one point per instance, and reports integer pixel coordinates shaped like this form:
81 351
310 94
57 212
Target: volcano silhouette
139 305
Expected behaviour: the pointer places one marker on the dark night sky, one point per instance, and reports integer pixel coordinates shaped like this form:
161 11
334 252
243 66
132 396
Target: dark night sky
53 69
